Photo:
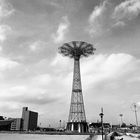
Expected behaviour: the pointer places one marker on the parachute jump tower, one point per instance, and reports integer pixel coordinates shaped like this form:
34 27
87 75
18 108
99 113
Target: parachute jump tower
77 118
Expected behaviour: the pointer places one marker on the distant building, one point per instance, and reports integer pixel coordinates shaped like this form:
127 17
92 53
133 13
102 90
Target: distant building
16 125
99 124
29 119
1 118
96 127
5 125
116 126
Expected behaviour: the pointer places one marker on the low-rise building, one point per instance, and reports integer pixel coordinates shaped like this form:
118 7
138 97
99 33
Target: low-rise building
16 125
5 125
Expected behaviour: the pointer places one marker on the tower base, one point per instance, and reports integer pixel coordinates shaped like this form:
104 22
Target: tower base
77 127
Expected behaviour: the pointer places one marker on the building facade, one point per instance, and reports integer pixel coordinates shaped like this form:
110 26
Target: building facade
5 125
16 125
29 119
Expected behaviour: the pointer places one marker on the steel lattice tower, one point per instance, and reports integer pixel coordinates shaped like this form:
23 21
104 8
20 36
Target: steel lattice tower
77 118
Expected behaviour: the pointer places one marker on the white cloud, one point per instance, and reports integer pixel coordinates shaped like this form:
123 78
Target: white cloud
1 48
119 24
6 63
99 68
54 3
6 9
106 16
99 19
41 80
4 31
6 66
138 103
62 30
62 65
128 9
37 45
60 60
108 67
17 90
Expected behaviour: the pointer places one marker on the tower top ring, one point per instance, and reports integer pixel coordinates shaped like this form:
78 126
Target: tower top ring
77 49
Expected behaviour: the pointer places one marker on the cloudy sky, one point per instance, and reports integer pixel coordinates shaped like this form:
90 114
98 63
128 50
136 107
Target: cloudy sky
33 74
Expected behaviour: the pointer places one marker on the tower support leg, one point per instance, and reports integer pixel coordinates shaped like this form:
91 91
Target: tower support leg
79 128
72 127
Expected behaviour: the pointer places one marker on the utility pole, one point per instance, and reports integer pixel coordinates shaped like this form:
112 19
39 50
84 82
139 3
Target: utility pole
134 108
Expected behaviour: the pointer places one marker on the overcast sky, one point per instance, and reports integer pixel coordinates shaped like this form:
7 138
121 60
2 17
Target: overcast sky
33 74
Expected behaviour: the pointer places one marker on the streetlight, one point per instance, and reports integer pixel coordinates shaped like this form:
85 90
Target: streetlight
60 124
121 115
101 115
